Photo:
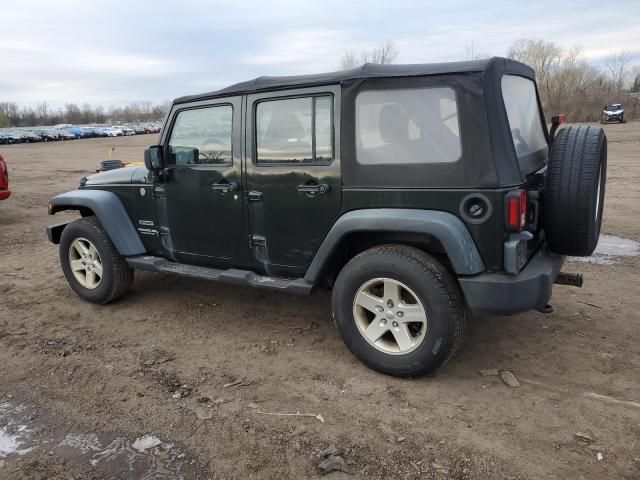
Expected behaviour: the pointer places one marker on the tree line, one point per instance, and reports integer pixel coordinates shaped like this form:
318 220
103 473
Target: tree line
567 82
11 115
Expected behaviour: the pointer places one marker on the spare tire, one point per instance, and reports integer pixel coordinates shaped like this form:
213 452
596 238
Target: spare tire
574 190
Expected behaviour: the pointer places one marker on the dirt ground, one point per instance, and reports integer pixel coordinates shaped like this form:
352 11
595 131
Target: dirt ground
81 384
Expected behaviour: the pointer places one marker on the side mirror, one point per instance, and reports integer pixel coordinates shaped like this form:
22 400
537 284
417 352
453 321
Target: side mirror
153 158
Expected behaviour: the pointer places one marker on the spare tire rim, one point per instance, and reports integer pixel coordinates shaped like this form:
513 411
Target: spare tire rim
85 263
390 316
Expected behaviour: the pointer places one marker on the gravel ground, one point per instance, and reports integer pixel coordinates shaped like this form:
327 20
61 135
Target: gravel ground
175 380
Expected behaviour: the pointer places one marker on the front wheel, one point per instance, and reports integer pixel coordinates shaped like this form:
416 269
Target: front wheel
398 310
91 264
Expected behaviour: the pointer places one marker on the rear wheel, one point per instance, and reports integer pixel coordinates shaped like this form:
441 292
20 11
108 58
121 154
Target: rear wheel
398 310
91 264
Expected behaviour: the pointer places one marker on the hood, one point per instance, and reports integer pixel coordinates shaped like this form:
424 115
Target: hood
614 112
120 176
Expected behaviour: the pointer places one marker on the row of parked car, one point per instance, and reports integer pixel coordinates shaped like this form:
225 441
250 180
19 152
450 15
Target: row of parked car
70 132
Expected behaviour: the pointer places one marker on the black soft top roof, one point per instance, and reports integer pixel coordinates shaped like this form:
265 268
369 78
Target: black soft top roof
368 70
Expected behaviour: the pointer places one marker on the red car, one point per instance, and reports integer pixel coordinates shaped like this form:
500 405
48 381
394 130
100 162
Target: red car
4 180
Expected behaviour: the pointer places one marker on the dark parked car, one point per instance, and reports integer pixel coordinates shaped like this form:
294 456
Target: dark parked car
4 180
417 193
48 135
612 113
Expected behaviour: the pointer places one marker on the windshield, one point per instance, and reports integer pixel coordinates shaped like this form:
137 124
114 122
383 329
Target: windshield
616 106
521 103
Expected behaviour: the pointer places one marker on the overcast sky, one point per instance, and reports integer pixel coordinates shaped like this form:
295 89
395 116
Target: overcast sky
117 51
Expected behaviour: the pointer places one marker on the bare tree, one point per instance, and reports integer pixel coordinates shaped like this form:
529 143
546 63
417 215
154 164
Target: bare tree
4 120
28 116
541 55
42 111
636 81
87 113
72 113
11 111
384 53
472 54
567 83
348 61
617 66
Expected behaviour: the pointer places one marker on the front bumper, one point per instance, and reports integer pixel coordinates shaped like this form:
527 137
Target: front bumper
505 294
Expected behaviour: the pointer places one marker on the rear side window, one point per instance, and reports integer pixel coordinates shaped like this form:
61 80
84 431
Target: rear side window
521 103
294 130
407 126
202 136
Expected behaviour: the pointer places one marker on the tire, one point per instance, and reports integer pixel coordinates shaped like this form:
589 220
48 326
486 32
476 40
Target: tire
574 190
425 279
116 275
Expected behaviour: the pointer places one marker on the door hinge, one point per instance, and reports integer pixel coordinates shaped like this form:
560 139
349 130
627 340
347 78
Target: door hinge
158 191
258 246
254 196
257 241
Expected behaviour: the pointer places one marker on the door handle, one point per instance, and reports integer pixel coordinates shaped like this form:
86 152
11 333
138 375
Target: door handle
225 186
314 189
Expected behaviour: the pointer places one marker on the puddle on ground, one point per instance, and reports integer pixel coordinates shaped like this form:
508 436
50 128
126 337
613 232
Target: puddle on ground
12 434
609 250
146 457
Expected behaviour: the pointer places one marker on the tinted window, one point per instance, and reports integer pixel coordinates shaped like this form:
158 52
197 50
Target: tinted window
202 136
407 126
294 130
521 103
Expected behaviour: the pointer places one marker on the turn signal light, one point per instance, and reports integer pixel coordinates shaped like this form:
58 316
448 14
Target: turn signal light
516 210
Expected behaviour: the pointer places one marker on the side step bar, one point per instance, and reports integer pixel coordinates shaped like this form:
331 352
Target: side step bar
231 275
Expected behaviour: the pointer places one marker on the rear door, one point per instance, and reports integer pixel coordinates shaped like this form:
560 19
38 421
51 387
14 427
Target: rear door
293 184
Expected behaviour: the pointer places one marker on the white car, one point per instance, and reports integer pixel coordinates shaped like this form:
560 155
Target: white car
115 132
612 113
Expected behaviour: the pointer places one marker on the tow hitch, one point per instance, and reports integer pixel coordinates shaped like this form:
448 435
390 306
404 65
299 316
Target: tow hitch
573 279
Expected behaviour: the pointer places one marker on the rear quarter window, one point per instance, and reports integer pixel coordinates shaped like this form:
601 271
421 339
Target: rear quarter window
521 104
407 126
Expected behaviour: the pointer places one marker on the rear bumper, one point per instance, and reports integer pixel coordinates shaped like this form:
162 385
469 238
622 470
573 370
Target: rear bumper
505 294
4 194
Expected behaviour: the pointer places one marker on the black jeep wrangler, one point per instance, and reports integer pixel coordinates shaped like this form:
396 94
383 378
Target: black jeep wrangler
417 193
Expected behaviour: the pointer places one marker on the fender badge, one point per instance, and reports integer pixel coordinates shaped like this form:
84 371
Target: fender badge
142 192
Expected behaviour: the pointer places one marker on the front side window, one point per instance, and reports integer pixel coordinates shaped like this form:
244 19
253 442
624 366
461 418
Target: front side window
521 103
294 130
202 136
407 126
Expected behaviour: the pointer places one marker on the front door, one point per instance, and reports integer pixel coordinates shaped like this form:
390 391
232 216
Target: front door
202 203
293 182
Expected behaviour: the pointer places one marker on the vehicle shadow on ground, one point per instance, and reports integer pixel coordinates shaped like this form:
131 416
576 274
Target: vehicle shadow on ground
489 342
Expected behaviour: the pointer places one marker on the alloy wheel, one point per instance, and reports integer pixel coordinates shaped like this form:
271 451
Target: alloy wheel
390 316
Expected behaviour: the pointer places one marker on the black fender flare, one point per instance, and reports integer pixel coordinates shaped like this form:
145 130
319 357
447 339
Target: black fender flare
110 212
450 231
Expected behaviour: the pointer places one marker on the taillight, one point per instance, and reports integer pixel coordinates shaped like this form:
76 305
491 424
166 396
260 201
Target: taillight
516 210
